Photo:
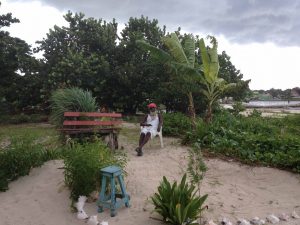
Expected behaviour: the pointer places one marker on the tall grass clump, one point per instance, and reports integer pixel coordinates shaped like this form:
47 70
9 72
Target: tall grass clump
70 99
24 153
83 163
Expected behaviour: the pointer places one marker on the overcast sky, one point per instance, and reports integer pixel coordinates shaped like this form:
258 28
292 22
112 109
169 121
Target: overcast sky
261 36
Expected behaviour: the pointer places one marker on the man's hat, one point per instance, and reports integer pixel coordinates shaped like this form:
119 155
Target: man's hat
152 105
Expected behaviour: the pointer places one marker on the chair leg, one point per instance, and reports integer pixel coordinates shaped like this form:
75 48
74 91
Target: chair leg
161 140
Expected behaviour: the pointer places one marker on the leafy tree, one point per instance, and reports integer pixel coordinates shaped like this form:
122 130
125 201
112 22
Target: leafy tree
287 95
136 78
180 58
275 93
81 55
231 75
15 59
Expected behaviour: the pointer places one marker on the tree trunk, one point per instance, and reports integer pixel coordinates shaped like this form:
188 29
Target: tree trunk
208 116
191 109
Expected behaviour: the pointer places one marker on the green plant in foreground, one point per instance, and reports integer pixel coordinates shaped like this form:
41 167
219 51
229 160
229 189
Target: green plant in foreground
83 163
178 204
196 167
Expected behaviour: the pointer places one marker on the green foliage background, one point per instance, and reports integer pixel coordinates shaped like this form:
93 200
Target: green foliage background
254 139
90 55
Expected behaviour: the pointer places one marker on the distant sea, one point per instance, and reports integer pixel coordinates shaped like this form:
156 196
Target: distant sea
272 104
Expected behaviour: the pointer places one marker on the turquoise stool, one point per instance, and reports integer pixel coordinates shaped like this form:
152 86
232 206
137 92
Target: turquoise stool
110 201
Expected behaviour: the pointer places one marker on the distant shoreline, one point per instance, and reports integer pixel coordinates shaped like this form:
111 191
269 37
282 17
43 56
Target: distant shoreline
272 104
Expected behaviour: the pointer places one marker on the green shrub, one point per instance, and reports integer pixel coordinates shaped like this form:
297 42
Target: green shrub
237 107
14 119
22 118
71 99
268 141
20 156
195 136
176 124
292 124
132 119
83 163
178 204
255 113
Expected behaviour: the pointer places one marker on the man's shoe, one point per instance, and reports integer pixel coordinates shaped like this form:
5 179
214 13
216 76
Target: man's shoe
139 151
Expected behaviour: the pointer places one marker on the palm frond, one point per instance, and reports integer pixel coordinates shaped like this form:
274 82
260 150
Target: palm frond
175 48
155 53
189 49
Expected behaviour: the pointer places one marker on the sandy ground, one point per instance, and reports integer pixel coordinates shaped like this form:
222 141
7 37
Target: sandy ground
235 190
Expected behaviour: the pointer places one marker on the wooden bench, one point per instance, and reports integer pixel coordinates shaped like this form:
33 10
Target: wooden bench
104 124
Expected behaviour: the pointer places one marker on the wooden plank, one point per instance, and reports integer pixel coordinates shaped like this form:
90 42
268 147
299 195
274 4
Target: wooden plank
92 114
92 129
106 129
88 131
90 123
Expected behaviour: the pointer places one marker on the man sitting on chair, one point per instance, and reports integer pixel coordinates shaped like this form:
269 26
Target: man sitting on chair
150 126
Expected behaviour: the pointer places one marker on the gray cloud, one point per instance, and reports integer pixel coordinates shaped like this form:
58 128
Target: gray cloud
241 21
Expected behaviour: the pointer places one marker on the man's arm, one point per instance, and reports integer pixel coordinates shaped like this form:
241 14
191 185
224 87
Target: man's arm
144 122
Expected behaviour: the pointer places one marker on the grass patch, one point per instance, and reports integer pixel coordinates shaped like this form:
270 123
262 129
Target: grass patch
38 132
26 146
131 134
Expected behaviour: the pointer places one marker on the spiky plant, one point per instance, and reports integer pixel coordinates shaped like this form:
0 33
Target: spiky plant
70 99
178 204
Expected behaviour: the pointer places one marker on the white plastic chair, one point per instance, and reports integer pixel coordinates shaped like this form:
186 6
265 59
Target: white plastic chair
159 134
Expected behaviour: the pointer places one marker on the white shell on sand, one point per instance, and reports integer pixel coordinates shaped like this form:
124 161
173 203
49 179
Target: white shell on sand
82 199
211 222
104 223
93 220
295 215
257 221
284 217
272 219
243 222
82 215
225 221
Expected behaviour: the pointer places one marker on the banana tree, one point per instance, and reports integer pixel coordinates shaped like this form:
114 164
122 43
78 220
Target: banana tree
180 57
215 86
